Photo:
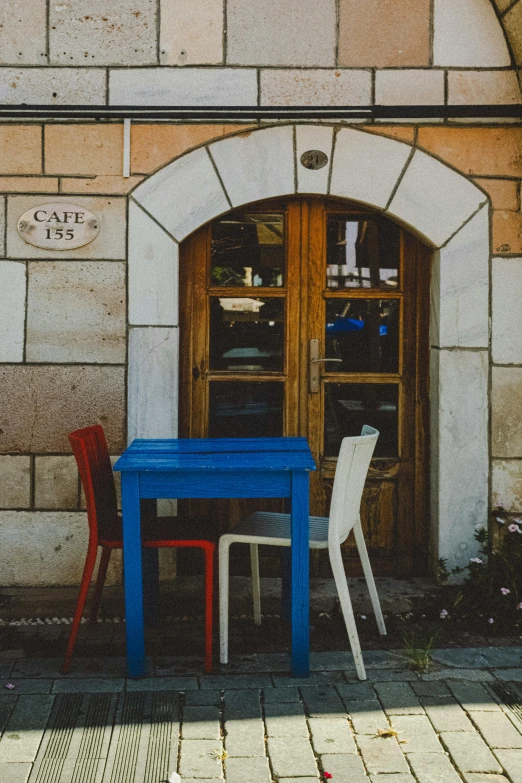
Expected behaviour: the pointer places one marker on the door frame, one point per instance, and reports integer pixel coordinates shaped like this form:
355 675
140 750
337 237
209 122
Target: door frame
303 292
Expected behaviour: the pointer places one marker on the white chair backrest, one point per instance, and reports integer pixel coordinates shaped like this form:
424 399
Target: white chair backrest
350 475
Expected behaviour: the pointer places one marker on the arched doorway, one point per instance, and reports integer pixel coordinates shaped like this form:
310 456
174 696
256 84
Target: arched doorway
309 316
428 197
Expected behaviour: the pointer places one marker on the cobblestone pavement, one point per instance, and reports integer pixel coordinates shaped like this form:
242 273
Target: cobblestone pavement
461 721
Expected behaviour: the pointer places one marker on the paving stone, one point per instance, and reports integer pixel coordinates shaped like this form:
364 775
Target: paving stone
25 728
416 734
433 768
469 752
200 723
281 695
473 675
245 699
511 760
245 737
473 696
347 768
28 686
295 758
331 735
322 702
446 714
315 678
431 688
253 770
497 730
91 685
400 778
198 759
164 684
503 656
398 698
201 698
367 717
7 705
401 675
383 659
285 720
356 691
381 755
508 675
298 780
465 658
483 777
236 681
15 773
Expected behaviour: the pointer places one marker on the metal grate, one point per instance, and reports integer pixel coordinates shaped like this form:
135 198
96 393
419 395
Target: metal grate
76 743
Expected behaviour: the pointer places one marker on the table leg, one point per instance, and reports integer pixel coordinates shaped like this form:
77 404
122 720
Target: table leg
286 584
300 576
132 574
150 561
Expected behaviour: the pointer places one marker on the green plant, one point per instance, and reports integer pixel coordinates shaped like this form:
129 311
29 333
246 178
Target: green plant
418 652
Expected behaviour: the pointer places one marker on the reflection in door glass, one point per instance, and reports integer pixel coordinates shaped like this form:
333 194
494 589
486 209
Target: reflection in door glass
247 249
362 253
245 410
348 406
246 333
364 334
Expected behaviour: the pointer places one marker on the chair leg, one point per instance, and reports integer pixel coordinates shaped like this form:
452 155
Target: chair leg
256 587
100 581
88 569
224 552
209 592
336 561
368 575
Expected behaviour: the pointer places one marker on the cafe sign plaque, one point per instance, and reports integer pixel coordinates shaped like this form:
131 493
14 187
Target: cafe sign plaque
58 226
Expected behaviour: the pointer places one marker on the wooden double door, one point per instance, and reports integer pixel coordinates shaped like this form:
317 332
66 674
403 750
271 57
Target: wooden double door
309 317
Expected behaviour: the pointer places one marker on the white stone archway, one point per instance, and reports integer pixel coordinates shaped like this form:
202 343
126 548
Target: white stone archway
428 197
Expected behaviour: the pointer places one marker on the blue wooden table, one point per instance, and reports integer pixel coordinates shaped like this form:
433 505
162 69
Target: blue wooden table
216 468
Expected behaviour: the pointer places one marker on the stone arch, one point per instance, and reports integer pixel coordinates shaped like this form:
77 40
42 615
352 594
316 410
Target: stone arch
436 202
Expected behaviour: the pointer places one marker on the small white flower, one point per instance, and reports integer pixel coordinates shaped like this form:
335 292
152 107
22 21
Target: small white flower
476 560
444 613
491 621
363 617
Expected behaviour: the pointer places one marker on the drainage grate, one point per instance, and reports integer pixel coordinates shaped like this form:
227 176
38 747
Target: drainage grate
76 743
145 740
510 696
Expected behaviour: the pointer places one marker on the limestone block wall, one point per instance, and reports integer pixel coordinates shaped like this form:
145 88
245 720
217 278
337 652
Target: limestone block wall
65 318
260 51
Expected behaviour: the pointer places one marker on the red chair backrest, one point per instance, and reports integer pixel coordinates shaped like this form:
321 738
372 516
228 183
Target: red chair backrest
92 457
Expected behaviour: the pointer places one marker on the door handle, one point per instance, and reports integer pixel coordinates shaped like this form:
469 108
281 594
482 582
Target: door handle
313 366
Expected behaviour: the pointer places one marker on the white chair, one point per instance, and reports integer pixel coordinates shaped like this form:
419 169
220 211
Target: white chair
325 533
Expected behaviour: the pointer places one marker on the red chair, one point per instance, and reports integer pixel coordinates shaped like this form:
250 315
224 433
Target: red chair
105 529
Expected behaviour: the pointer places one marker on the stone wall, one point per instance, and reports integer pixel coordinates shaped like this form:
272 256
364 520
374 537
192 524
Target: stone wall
65 318
293 52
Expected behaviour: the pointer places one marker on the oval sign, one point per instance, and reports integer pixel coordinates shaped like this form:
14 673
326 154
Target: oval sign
58 226
314 159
